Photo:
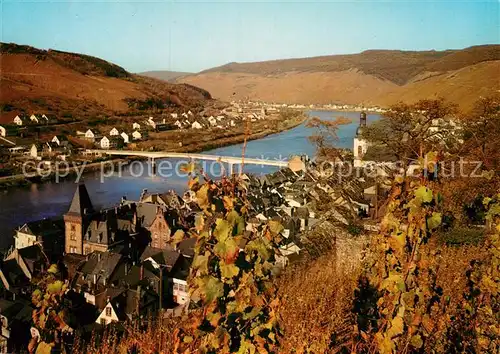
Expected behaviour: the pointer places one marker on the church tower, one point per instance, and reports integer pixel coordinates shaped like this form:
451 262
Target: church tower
360 145
76 220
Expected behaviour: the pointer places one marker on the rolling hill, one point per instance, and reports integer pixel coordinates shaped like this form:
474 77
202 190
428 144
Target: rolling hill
165 75
373 77
77 85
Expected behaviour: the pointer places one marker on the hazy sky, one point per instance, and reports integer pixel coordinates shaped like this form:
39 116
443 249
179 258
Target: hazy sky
192 36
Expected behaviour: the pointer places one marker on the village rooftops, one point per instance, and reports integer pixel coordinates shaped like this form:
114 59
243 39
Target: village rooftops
165 257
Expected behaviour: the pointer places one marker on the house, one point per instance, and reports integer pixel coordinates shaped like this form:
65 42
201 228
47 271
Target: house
114 132
49 233
173 115
32 260
105 143
196 125
136 126
212 121
90 135
34 119
136 135
36 150
3 131
178 124
20 120
125 137
128 303
151 123
59 139
13 278
15 319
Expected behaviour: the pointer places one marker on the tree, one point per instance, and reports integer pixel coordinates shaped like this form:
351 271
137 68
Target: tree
233 300
326 136
411 130
482 132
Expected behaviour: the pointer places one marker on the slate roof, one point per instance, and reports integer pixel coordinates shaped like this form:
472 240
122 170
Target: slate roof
43 227
146 214
101 264
81 201
167 257
186 247
13 274
133 278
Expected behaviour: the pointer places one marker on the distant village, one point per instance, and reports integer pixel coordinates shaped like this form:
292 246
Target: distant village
28 137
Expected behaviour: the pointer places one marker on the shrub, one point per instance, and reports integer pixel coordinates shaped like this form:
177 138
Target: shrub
462 236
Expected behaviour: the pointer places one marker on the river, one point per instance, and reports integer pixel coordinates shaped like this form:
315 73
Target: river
38 201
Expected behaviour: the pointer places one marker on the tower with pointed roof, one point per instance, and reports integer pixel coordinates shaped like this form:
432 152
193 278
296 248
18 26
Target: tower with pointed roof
76 220
360 145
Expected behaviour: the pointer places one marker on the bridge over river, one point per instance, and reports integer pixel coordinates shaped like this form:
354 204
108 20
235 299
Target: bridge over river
230 160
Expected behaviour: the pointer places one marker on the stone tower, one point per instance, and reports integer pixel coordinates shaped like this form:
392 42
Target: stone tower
76 220
360 145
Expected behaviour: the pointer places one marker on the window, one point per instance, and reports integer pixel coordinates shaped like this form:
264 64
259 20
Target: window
72 236
104 322
360 150
73 227
108 311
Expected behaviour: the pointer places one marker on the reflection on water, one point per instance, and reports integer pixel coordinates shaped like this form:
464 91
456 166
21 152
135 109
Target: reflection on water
20 205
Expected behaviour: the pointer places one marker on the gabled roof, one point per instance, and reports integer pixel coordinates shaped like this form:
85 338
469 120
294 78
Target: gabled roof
13 274
167 257
81 201
186 247
101 264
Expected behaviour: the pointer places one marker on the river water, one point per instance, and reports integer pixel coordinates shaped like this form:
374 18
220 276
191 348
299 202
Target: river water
38 201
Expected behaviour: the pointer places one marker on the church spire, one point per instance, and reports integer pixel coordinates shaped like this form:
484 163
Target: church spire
81 203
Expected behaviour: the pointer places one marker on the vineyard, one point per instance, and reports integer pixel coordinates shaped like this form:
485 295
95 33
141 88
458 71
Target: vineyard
405 292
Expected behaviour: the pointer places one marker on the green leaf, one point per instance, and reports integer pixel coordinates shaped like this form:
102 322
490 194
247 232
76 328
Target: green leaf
229 270
424 194
55 287
226 249
200 262
275 227
416 341
53 269
44 348
222 229
434 221
212 288
397 326
202 197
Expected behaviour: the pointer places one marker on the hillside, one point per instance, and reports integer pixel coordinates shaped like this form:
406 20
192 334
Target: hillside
378 77
165 75
77 85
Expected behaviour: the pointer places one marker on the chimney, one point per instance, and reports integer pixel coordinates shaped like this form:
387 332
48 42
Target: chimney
141 272
95 279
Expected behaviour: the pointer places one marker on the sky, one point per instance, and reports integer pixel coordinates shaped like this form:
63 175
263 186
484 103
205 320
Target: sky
196 35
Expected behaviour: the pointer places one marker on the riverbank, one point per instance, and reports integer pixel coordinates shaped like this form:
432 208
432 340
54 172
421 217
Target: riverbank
202 143
240 138
22 180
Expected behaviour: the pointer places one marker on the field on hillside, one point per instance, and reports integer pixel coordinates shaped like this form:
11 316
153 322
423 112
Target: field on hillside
373 78
57 83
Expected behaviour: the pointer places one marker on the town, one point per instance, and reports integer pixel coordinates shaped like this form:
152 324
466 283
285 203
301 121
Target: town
29 138
133 260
